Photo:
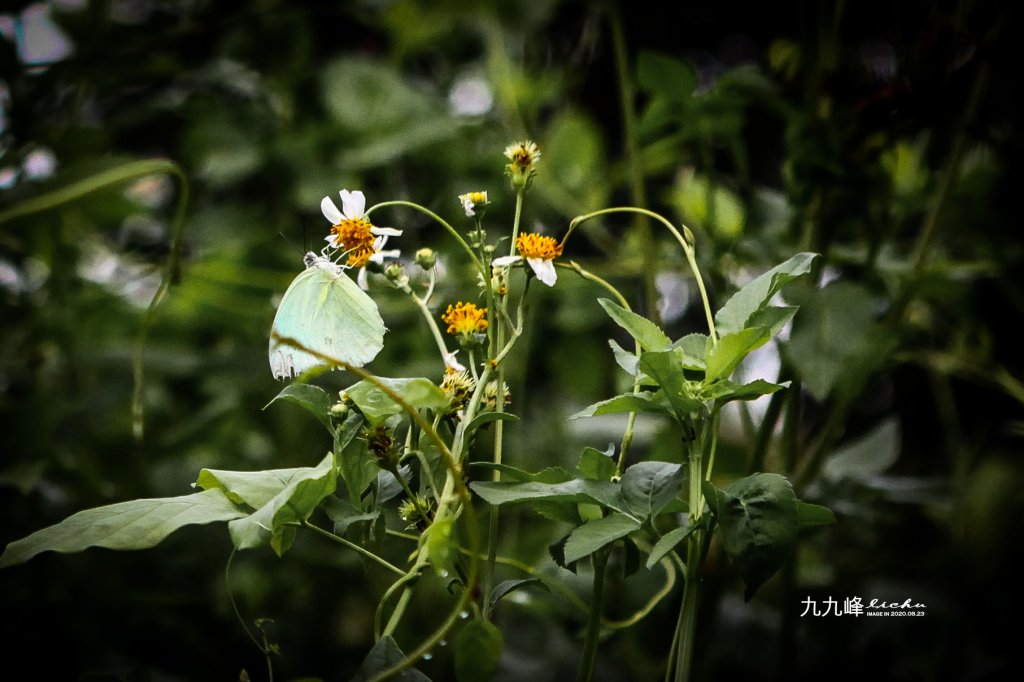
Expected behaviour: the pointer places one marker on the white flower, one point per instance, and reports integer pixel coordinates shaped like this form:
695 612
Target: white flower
473 202
451 363
354 235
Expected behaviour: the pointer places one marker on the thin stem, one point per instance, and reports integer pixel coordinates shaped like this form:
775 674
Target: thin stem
686 243
435 331
238 614
396 615
515 221
593 632
451 230
354 547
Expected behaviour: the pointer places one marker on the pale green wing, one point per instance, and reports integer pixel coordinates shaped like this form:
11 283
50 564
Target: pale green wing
325 311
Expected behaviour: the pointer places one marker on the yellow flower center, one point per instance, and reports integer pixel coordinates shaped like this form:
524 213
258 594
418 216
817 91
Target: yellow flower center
465 319
538 246
354 237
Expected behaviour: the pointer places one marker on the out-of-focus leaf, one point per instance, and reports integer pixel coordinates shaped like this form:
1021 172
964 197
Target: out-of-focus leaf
478 649
866 457
385 654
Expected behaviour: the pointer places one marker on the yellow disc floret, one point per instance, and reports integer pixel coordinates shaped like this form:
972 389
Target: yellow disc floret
538 246
465 319
355 239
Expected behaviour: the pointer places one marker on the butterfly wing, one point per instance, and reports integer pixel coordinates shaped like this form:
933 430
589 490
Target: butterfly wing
325 311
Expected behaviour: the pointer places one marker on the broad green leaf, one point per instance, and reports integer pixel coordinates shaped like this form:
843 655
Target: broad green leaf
311 398
867 456
665 368
294 503
646 333
252 488
772 318
730 350
649 486
137 524
384 655
627 402
665 76
594 535
692 349
507 587
814 514
597 465
377 406
441 546
343 514
478 649
737 310
667 543
358 468
758 520
514 474
577 490
723 391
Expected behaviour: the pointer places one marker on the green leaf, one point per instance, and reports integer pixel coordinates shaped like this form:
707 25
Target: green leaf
646 333
343 514
627 402
311 398
252 488
478 649
667 543
485 418
725 390
576 490
723 357
377 406
384 655
137 524
546 475
734 315
692 350
649 486
814 514
867 456
623 358
665 368
594 535
758 520
294 503
507 587
665 76
597 465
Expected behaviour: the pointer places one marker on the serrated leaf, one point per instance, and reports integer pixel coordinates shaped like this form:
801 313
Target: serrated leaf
418 392
814 514
758 521
478 649
620 404
724 391
645 332
311 398
384 655
733 316
665 368
294 503
136 524
594 535
557 552
597 465
507 587
649 486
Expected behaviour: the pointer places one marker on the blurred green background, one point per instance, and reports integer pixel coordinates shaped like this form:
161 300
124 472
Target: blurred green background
882 135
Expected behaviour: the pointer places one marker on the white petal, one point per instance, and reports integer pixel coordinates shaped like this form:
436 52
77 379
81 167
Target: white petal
451 363
386 231
330 211
330 239
506 260
544 269
361 279
353 204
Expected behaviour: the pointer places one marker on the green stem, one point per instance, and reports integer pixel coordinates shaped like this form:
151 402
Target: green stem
685 242
265 650
694 560
593 633
435 331
354 547
515 221
451 230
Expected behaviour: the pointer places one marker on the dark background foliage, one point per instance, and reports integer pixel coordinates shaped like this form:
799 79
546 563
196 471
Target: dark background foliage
882 135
